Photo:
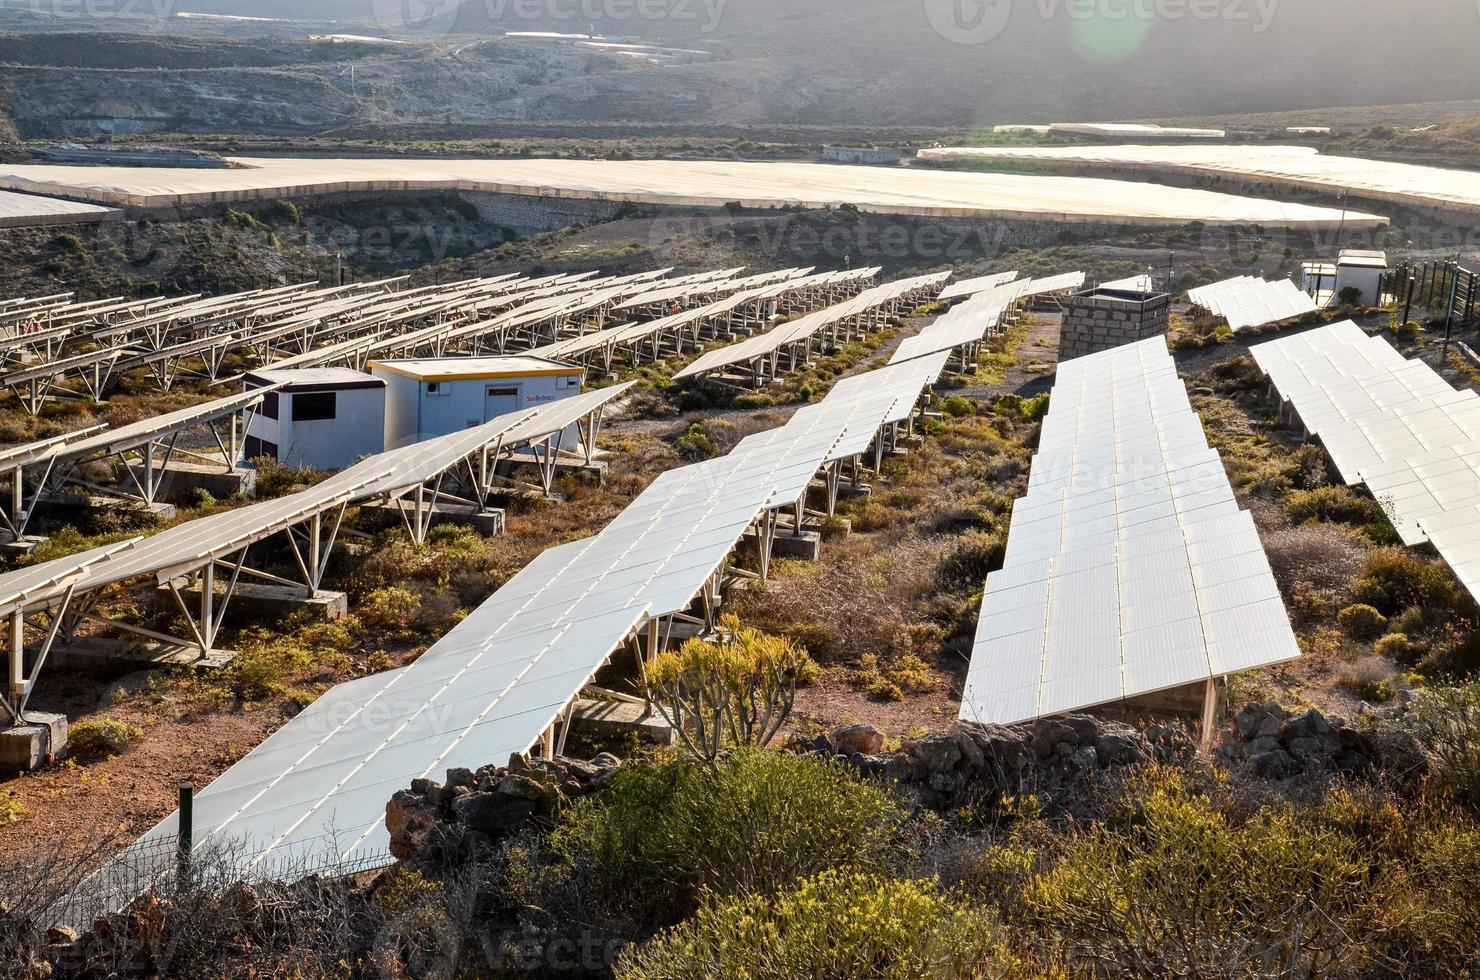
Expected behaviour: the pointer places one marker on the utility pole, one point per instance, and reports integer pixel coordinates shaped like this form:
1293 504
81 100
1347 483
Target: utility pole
1341 226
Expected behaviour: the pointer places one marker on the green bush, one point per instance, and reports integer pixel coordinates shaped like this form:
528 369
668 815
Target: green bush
661 834
390 608
1174 885
1397 647
1361 622
958 407
1334 504
755 399
1448 721
1023 409
695 444
101 738
1394 580
837 924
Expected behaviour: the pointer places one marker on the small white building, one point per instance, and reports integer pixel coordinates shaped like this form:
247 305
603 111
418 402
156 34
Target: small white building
325 417
427 397
863 154
1363 271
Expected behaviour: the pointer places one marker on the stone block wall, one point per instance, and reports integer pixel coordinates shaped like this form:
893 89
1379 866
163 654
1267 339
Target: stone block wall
1096 320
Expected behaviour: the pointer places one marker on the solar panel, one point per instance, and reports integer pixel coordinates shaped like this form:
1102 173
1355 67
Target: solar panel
766 345
1246 302
1130 568
1394 424
316 789
968 287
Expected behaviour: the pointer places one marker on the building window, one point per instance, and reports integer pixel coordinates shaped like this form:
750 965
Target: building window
255 448
436 388
570 381
313 406
269 407
502 393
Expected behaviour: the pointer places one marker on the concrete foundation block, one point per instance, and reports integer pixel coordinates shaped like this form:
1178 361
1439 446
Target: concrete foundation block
620 719
28 747
180 478
22 547
806 546
135 653
261 601
488 522
64 506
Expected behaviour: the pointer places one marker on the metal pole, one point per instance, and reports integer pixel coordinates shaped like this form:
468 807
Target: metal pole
185 838
1453 295
1408 301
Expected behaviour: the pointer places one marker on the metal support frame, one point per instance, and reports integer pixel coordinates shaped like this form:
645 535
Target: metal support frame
1212 702
20 684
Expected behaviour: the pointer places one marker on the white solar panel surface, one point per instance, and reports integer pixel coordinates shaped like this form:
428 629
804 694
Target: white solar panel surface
1130 568
968 287
1395 425
317 788
1246 302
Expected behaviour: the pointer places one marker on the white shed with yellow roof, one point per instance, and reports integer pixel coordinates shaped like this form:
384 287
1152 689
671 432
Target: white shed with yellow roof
427 397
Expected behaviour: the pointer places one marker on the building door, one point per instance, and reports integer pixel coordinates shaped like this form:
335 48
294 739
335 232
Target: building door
499 401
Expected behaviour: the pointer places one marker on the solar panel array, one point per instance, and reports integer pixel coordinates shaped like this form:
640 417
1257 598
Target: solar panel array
686 327
1132 284
1130 568
870 303
1053 284
305 325
1393 424
193 544
970 287
1247 302
501 678
965 324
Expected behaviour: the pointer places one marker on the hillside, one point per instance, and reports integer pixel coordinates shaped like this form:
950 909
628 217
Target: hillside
829 62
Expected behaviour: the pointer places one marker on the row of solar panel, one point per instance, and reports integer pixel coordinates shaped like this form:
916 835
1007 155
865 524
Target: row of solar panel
1129 568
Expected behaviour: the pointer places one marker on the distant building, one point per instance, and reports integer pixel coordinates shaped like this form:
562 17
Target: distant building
863 154
129 157
428 397
1363 271
327 418
1121 132
1353 269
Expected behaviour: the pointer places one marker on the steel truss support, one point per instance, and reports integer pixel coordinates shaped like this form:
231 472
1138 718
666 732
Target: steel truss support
313 554
765 538
19 683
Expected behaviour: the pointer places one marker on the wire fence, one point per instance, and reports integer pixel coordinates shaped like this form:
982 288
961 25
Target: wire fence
78 892
1434 286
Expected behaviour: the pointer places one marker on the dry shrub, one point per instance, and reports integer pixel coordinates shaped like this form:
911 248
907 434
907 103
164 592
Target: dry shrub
868 597
1325 558
1395 579
1369 679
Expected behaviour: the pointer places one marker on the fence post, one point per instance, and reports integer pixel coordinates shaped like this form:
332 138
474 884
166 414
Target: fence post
186 834
1453 298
